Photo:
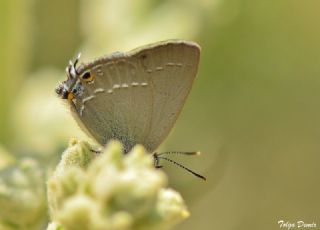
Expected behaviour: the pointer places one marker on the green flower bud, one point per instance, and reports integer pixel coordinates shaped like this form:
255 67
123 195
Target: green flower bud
111 190
22 196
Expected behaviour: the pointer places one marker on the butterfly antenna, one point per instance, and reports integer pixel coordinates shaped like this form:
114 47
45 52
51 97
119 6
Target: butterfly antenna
194 153
76 62
157 157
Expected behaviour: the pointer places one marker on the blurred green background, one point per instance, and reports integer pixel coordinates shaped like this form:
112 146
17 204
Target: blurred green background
254 110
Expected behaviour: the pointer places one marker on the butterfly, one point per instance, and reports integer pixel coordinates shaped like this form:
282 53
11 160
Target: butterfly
135 96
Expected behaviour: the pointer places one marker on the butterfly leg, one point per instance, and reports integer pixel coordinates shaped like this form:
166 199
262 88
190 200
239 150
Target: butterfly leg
95 151
156 161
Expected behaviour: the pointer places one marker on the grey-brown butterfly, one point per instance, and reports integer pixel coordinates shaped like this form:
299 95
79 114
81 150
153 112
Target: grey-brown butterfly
134 97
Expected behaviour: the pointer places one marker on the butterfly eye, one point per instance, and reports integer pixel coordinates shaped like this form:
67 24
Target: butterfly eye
87 76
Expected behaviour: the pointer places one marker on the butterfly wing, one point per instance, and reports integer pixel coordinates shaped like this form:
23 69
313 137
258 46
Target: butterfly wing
137 96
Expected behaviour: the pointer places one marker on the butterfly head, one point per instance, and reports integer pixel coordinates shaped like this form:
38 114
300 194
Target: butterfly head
68 88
